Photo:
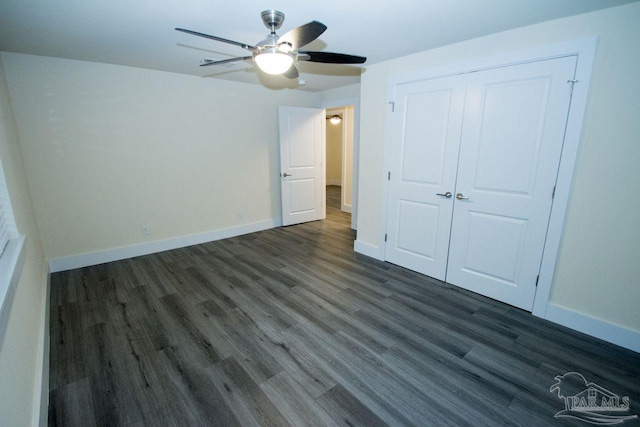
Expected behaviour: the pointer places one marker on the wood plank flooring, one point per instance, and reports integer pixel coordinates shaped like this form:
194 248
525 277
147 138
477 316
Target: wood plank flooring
290 327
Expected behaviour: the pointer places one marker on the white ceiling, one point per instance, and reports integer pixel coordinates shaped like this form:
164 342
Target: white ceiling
140 33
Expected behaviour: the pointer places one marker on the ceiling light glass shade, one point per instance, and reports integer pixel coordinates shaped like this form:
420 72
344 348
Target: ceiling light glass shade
335 119
272 61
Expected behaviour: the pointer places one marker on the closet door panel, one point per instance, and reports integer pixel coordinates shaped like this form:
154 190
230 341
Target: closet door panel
511 142
426 128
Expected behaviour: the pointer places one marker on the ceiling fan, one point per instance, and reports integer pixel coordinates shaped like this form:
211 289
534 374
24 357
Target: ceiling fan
277 54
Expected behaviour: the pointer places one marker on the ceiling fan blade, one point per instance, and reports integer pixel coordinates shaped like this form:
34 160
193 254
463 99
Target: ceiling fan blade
330 57
303 34
291 73
207 62
220 39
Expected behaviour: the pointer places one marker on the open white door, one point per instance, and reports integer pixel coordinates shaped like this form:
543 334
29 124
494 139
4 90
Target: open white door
302 165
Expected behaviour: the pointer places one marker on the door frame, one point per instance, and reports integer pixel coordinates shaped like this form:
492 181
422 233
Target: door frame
355 103
345 155
584 50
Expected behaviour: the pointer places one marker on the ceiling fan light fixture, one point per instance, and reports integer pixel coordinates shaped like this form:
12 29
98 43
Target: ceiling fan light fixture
272 61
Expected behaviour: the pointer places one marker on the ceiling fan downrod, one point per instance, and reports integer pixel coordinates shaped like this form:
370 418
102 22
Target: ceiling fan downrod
272 19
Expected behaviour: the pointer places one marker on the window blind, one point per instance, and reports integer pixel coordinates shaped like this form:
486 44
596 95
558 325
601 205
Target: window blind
7 225
4 232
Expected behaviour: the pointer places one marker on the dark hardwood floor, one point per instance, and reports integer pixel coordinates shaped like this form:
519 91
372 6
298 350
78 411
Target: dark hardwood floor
290 327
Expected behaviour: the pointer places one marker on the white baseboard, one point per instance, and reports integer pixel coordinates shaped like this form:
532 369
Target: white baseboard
593 326
368 250
41 393
116 254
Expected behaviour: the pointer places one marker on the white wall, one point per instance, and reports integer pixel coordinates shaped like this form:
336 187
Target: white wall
340 96
597 271
21 351
110 148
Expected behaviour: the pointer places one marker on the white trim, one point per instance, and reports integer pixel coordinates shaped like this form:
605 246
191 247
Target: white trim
586 53
386 164
41 392
116 254
339 103
584 49
11 264
344 207
368 250
593 326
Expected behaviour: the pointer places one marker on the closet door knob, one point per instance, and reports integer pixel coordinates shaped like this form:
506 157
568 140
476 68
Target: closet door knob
448 194
461 196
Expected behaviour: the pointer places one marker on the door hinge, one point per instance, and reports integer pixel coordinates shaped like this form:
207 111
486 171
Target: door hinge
393 106
537 279
385 237
573 82
389 176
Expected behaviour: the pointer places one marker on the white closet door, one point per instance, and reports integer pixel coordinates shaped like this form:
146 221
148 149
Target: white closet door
426 133
512 138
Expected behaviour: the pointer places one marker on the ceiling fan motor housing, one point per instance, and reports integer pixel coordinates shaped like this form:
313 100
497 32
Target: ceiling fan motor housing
272 19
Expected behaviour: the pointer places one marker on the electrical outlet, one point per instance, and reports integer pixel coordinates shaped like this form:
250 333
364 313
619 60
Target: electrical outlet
146 230
239 215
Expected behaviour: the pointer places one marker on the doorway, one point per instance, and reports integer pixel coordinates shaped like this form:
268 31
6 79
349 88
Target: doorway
339 157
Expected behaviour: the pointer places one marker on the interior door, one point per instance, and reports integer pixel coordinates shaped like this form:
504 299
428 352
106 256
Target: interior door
302 175
510 149
426 126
